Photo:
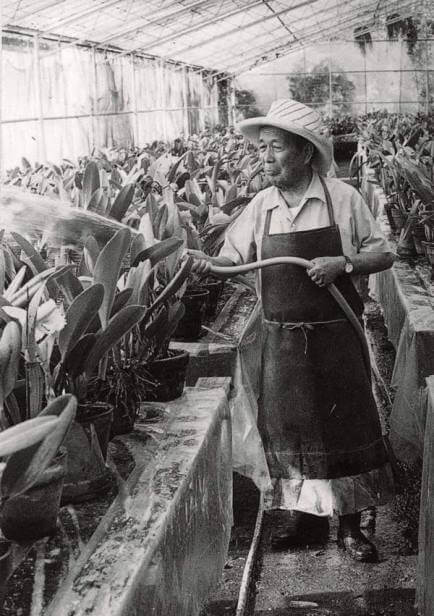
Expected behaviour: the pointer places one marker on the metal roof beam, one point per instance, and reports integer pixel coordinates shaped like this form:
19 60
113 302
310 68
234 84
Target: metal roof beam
201 25
79 15
347 20
229 52
131 30
246 26
301 35
35 11
238 69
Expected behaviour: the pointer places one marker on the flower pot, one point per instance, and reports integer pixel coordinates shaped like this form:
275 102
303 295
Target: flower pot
170 375
33 515
418 233
214 286
6 567
190 326
429 250
398 219
87 442
123 421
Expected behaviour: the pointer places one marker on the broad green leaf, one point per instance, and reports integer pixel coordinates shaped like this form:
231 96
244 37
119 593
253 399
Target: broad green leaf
70 286
98 202
90 182
175 284
107 270
118 326
91 252
2 271
23 469
30 251
25 434
10 347
78 317
122 202
159 251
75 358
137 245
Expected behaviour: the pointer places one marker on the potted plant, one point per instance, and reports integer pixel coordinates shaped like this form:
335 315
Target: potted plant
32 479
161 289
96 321
28 510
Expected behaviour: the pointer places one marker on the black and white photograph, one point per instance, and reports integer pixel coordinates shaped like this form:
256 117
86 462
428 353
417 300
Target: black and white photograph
217 308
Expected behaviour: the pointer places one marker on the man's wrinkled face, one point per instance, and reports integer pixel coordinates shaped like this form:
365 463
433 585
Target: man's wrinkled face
283 159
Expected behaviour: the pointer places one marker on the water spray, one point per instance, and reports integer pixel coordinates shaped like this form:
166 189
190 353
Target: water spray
58 222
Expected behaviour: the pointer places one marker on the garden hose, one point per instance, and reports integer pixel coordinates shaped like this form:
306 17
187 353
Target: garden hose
229 271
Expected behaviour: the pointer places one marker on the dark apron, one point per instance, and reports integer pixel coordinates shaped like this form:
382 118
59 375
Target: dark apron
317 415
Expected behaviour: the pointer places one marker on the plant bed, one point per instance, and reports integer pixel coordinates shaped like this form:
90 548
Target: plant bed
164 478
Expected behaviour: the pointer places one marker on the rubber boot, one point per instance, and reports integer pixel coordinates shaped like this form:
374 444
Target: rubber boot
351 539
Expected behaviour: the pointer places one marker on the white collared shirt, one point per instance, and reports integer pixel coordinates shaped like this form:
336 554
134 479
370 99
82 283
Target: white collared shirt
358 228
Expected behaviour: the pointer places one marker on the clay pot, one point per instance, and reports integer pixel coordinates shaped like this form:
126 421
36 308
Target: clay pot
33 515
123 421
87 441
214 286
170 374
429 251
6 567
418 233
398 219
190 326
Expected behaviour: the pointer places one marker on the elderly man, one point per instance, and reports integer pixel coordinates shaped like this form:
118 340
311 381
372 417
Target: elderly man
317 416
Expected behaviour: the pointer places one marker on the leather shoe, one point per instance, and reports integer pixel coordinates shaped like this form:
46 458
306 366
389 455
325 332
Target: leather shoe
303 529
357 545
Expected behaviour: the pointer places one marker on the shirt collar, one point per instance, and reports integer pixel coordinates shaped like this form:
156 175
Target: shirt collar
315 190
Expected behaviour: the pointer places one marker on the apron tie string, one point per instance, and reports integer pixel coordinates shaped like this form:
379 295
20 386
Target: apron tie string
304 326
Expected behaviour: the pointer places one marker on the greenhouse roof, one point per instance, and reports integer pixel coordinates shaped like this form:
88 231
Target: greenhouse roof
230 36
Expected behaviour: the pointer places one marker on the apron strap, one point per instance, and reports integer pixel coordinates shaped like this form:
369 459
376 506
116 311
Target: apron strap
328 201
267 223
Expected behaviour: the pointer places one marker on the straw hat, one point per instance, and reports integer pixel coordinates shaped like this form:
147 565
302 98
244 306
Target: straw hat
294 117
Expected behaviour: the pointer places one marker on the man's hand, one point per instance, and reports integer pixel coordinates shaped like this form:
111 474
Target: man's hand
325 270
201 262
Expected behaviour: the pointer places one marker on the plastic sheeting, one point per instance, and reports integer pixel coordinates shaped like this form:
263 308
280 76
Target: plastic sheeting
425 586
247 450
163 544
409 317
61 100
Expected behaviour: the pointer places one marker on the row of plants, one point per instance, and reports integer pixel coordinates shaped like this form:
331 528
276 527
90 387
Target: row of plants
85 327
400 149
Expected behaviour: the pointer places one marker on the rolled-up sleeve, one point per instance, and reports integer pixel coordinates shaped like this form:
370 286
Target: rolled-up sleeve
240 244
367 234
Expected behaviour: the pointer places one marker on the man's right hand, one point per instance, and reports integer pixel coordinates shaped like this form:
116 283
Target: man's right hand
201 262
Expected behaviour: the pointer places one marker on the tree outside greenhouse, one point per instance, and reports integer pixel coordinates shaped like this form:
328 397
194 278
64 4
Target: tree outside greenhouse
315 88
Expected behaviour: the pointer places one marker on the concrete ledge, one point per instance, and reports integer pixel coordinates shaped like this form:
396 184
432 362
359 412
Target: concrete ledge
162 545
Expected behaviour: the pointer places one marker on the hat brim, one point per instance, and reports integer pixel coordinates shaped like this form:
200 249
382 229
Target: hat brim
323 156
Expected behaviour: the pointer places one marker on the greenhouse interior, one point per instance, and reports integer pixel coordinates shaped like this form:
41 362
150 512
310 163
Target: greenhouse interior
217 308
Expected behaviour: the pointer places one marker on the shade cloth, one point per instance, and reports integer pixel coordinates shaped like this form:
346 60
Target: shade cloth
425 586
409 316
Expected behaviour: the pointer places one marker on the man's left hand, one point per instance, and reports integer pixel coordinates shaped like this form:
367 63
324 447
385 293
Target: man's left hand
325 270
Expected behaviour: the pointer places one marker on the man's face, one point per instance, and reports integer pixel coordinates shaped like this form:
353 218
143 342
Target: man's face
283 160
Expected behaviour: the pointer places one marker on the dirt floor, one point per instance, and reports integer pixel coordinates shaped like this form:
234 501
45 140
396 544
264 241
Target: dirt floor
320 580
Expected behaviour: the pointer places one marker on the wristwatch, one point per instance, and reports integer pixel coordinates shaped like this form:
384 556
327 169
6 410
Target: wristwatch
349 267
